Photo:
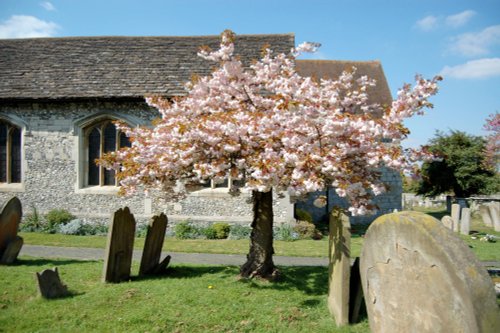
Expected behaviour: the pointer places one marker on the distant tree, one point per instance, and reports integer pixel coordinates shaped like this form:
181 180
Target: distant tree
459 167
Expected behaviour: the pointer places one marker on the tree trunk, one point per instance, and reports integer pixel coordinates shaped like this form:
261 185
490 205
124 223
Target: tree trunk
260 257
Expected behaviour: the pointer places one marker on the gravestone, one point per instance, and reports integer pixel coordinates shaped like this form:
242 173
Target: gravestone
339 266
465 221
495 214
447 222
119 247
484 209
50 285
10 242
150 261
455 215
418 276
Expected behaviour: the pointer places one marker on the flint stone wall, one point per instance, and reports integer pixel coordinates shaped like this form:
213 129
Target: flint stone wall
50 154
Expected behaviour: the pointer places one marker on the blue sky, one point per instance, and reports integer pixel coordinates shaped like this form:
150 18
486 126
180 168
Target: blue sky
455 38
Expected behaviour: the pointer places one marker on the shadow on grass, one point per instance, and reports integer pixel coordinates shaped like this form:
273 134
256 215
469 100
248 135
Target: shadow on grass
311 280
190 272
51 262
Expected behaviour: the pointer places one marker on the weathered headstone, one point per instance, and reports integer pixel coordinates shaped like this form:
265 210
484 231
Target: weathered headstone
447 222
150 261
10 242
455 215
495 214
418 276
119 248
339 266
484 209
465 221
50 285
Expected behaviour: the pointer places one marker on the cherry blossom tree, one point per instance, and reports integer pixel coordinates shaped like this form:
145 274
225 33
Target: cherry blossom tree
274 129
492 151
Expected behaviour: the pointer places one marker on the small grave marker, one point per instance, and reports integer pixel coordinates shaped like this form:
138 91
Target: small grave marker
447 222
50 285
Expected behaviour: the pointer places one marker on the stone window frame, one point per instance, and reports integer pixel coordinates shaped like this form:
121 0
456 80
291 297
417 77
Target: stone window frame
22 126
80 130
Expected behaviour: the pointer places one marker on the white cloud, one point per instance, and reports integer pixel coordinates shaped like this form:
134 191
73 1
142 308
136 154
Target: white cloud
23 26
476 44
474 69
48 6
428 23
460 19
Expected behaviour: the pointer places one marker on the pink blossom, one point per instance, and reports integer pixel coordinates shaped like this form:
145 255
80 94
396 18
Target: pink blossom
275 128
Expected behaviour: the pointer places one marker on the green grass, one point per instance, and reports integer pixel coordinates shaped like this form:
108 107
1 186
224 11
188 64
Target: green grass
179 302
299 248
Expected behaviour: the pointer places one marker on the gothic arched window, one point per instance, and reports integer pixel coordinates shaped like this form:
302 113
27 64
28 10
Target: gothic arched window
10 153
101 138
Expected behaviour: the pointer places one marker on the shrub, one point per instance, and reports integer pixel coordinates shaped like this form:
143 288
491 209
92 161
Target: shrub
95 229
307 230
32 222
303 215
221 230
209 232
285 233
239 232
185 230
73 227
55 218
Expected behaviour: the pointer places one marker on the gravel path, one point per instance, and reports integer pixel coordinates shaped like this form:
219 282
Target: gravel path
186 258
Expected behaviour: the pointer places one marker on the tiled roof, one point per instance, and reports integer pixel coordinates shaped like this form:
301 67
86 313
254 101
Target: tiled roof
108 67
333 69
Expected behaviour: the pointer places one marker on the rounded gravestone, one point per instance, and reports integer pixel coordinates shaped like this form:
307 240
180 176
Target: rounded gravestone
418 276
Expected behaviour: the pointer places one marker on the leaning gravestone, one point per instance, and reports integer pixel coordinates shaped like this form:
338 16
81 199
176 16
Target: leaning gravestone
119 248
10 242
150 261
339 267
418 276
50 285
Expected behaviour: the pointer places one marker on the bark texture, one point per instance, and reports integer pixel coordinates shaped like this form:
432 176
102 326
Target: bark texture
260 257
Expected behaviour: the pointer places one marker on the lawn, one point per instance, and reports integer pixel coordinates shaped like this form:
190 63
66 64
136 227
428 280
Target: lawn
188 299
298 248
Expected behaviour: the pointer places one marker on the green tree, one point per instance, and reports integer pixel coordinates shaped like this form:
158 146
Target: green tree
460 167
